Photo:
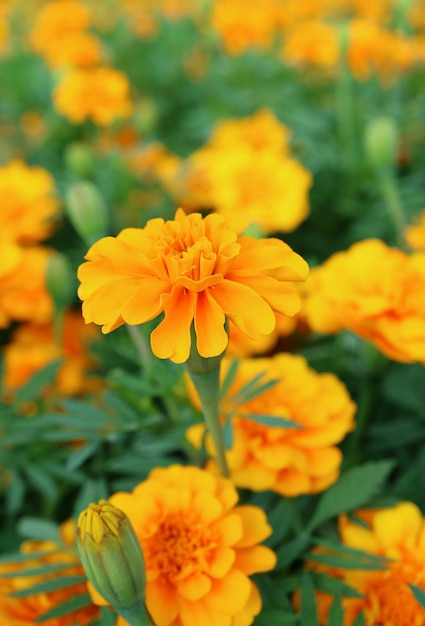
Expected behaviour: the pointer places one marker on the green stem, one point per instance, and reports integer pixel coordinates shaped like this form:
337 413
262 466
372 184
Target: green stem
137 615
143 350
391 197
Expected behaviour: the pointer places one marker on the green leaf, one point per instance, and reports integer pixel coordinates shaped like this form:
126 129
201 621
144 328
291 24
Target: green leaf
227 430
309 615
78 457
336 612
273 617
15 494
49 585
36 571
35 528
34 387
360 620
275 421
290 551
335 560
229 378
355 488
77 602
343 550
20 557
252 389
331 585
418 593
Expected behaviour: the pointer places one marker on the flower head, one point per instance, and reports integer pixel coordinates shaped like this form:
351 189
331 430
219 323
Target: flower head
199 548
192 270
290 461
396 533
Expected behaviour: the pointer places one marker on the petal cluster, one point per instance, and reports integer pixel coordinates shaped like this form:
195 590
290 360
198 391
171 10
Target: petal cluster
193 270
396 533
199 547
289 461
375 291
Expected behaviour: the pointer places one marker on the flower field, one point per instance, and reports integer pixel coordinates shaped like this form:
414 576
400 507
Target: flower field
212 312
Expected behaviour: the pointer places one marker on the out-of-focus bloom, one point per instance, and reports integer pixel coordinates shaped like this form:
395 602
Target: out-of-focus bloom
396 533
375 291
193 269
154 162
245 173
4 30
290 461
33 347
33 125
199 548
111 555
99 94
313 43
415 233
144 17
25 611
23 291
59 35
28 205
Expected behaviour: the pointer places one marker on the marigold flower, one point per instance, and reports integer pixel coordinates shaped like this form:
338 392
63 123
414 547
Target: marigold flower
376 292
192 270
199 548
28 203
100 94
290 461
396 533
313 43
415 233
25 611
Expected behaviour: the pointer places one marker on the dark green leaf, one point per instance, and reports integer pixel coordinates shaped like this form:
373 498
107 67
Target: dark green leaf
35 528
331 585
360 620
335 560
419 594
77 602
36 571
274 421
336 612
309 616
49 585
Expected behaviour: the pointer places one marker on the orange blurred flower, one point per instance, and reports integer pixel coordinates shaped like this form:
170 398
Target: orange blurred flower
313 43
415 233
290 461
199 548
245 172
100 94
193 269
375 291
396 533
32 347
26 611
23 291
28 205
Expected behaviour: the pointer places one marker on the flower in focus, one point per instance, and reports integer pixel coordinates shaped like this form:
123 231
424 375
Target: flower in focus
192 269
396 533
199 547
25 611
32 347
23 290
375 291
100 94
28 205
245 172
289 461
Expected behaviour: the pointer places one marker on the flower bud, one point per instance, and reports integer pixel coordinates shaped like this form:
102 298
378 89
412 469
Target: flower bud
60 280
111 555
381 142
87 211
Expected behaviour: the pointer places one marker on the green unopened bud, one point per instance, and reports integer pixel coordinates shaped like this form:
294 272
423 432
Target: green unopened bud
381 142
111 555
60 280
87 211
79 159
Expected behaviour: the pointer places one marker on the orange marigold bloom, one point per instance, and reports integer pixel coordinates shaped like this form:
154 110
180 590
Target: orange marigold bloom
415 233
396 533
23 290
25 611
100 94
312 42
290 461
56 20
375 291
199 548
245 172
32 347
192 270
28 205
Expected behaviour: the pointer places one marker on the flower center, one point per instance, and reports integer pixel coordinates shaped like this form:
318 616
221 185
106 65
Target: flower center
180 547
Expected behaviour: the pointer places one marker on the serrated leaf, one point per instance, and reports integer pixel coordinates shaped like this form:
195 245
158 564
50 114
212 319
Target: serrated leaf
48 586
309 616
418 593
354 489
274 421
77 602
35 528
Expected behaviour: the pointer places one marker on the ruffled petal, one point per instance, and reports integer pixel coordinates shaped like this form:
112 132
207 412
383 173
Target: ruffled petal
171 339
211 337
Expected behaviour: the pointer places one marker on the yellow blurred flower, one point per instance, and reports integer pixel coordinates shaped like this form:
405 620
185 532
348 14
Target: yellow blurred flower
199 548
28 205
195 270
23 291
289 461
415 233
245 173
375 291
312 43
99 94
32 347
396 533
26 611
